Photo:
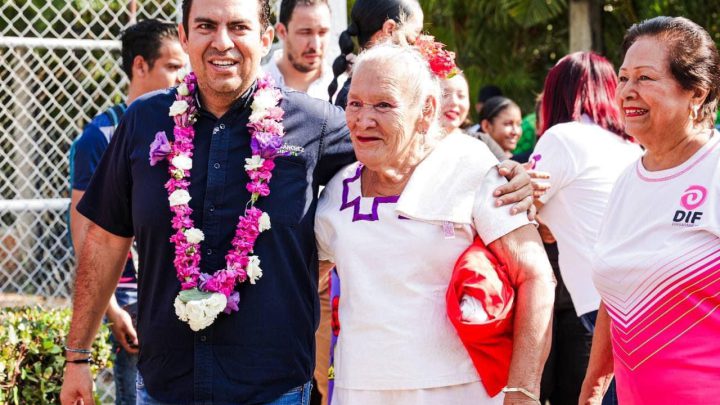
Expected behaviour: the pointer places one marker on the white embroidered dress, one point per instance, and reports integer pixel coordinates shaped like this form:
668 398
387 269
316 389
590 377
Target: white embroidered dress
396 343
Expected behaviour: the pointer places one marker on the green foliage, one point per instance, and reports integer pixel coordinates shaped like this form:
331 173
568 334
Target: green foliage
31 354
508 43
619 15
513 43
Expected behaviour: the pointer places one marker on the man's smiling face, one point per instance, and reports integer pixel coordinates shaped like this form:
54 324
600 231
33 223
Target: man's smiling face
225 40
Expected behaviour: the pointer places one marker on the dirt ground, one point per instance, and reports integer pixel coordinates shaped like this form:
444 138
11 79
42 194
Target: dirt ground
19 300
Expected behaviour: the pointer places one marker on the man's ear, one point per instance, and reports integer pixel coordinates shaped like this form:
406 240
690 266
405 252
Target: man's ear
281 31
389 27
140 67
267 39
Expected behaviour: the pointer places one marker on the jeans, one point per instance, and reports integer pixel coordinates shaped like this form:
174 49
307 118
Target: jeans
297 396
125 365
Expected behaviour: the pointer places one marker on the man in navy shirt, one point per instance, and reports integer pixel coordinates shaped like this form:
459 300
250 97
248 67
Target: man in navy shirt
263 353
151 58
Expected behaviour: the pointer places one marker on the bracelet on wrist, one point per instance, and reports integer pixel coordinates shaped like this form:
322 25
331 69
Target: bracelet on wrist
522 391
86 360
80 351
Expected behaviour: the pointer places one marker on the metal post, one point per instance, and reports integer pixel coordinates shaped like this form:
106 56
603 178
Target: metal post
133 11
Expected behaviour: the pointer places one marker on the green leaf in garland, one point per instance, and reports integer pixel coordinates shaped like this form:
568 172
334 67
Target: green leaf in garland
193 295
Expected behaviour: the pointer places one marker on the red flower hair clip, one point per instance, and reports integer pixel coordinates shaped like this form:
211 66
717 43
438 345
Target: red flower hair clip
440 60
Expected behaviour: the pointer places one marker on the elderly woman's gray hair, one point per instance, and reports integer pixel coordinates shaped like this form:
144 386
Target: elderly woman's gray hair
693 56
423 83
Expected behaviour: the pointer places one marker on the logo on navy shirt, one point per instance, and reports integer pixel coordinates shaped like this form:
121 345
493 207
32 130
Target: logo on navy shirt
291 150
691 200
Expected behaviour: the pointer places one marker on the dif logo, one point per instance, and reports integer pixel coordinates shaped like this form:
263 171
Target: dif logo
691 199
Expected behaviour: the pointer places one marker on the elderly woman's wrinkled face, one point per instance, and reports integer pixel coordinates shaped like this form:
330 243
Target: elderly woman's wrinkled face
505 128
652 103
382 115
455 103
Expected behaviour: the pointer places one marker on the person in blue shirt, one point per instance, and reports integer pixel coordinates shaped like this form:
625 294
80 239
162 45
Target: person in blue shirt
264 352
151 58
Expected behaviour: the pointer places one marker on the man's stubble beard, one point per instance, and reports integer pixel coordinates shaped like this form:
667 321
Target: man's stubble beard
299 66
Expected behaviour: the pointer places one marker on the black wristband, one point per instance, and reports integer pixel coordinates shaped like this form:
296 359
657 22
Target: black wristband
86 360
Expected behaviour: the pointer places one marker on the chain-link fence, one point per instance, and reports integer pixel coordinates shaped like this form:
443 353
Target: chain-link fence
59 67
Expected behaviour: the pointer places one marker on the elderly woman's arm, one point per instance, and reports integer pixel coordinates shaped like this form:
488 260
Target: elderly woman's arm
600 370
531 275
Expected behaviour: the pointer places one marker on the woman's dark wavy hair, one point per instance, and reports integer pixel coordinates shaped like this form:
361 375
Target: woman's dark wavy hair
494 106
692 55
581 83
366 18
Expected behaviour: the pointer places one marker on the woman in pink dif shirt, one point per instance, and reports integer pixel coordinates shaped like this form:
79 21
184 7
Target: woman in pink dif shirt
657 258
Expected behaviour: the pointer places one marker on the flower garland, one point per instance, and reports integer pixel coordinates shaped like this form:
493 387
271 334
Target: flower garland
440 60
203 296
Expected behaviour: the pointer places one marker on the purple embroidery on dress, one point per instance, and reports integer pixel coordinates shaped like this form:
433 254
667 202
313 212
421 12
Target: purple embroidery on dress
534 159
355 203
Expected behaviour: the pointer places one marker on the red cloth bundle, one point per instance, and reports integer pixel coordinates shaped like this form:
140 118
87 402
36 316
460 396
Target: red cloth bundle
479 274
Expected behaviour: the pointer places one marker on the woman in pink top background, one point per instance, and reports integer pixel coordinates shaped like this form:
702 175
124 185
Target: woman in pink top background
657 258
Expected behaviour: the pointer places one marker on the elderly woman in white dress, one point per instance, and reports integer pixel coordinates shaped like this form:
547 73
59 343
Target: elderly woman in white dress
394 224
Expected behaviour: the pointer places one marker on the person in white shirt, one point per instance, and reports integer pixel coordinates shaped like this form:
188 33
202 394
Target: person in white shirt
584 148
657 257
304 29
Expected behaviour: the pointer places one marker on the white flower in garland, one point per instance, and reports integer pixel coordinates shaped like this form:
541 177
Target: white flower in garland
200 313
197 315
183 90
178 107
180 310
254 271
264 222
254 162
216 303
182 162
181 73
263 101
194 235
179 197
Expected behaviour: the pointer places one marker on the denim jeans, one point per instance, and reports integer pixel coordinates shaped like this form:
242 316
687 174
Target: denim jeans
297 396
125 365
588 321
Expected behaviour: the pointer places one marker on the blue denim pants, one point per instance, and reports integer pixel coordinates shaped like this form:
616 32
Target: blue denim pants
297 396
125 365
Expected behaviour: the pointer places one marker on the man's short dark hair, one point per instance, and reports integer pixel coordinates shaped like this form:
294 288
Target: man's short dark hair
287 7
145 39
263 5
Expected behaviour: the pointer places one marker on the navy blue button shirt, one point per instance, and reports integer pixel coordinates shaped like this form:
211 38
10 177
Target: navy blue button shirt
267 348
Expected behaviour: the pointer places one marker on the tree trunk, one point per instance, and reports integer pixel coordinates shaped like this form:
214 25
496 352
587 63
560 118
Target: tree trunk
580 26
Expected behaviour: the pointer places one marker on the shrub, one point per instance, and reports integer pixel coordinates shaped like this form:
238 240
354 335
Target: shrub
32 356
